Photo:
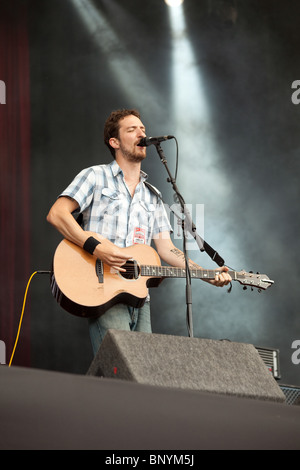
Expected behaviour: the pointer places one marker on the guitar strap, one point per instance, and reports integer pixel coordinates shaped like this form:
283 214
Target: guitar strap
214 255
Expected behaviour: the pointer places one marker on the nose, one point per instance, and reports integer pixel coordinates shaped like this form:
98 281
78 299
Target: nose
142 132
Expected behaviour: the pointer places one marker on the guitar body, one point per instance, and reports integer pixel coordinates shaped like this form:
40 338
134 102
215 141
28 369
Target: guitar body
85 287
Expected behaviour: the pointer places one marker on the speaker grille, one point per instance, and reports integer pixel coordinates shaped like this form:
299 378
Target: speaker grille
292 394
271 359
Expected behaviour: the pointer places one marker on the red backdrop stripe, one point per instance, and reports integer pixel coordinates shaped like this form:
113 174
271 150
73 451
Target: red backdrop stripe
14 177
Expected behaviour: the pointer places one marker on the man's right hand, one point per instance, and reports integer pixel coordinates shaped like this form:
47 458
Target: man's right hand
111 254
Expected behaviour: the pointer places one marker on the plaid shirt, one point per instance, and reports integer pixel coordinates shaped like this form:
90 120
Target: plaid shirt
108 208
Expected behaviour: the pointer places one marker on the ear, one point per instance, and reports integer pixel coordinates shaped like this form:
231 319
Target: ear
114 143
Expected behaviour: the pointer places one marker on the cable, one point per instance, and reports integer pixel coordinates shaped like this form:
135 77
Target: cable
22 314
177 152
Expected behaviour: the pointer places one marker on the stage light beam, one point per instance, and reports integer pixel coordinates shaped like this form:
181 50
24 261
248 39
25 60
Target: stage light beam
128 74
201 174
190 110
173 3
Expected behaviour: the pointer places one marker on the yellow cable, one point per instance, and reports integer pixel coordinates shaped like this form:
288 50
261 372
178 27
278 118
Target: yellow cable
20 323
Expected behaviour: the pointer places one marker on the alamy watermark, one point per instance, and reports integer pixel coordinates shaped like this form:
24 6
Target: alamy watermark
296 94
2 353
296 353
2 92
188 221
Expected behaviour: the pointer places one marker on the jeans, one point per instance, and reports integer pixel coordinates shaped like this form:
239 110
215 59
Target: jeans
119 317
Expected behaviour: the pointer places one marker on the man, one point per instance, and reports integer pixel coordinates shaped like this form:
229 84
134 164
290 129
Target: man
117 205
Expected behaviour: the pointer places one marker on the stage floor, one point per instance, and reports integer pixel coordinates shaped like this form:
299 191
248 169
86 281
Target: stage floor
52 410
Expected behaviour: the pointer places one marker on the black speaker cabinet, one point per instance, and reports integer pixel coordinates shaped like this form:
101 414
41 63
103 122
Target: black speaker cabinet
206 365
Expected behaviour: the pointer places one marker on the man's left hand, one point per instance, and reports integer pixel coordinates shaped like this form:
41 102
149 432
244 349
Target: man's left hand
222 277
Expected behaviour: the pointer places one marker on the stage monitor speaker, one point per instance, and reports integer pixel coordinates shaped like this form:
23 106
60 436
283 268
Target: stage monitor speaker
222 367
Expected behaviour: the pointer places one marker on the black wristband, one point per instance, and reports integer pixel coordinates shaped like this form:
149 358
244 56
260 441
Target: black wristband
90 245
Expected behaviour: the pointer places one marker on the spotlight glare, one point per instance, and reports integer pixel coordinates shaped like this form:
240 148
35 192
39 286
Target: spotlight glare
173 3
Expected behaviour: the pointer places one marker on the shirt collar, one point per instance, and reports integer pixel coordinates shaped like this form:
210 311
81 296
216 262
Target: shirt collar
116 170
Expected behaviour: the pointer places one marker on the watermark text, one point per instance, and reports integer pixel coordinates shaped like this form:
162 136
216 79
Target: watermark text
2 92
2 353
296 94
296 353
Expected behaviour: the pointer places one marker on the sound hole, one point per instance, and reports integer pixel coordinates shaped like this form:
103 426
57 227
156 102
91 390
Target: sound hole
132 270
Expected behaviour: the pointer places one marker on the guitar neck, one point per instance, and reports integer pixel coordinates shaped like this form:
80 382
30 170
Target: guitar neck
171 271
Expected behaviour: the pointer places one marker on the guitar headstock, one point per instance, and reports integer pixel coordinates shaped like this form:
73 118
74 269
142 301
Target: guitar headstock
261 281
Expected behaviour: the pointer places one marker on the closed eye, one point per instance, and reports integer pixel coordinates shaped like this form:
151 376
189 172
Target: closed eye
133 128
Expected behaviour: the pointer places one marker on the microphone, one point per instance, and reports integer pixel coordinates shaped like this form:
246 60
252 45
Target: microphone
146 141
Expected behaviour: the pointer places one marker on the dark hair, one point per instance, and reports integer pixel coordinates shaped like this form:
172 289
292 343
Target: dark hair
112 125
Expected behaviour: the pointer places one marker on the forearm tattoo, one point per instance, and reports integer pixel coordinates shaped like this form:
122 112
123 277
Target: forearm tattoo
179 254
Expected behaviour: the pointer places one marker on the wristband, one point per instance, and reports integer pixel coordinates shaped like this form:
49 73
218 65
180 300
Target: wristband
90 245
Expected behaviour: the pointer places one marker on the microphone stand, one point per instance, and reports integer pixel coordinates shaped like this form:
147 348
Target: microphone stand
192 227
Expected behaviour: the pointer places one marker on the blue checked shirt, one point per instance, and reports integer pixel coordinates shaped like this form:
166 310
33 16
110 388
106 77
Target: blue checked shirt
108 208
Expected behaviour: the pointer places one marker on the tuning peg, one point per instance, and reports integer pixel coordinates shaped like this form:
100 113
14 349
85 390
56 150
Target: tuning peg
259 291
245 288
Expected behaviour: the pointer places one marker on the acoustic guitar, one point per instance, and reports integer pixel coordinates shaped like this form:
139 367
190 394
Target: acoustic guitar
84 286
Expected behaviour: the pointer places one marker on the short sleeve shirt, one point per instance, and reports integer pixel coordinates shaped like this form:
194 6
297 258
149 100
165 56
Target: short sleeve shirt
108 208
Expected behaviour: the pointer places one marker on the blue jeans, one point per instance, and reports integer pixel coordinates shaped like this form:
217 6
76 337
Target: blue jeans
119 317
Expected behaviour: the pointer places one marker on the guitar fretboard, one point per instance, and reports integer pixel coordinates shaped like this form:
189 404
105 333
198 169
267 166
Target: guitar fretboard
170 271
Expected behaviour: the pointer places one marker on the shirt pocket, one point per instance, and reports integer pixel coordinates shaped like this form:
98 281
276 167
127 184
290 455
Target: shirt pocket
108 211
147 217
109 202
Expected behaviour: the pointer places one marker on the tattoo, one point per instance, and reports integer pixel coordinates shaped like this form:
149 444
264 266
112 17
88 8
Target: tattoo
179 254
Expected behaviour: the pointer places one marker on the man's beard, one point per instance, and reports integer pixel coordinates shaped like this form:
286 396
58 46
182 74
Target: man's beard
131 156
